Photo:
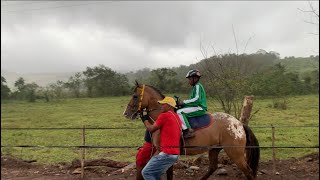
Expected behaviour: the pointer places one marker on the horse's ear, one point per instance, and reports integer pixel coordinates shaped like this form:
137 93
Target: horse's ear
137 84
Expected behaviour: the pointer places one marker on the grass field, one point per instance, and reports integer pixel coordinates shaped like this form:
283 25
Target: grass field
107 112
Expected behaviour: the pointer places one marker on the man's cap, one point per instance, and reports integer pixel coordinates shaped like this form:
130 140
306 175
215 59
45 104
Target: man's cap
168 100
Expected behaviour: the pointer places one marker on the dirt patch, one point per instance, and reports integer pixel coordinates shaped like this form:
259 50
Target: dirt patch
16 169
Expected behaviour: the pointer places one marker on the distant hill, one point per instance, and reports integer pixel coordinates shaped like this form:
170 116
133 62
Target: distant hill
42 79
300 64
293 64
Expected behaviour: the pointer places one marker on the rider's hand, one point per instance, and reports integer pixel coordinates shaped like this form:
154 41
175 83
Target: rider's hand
144 118
180 102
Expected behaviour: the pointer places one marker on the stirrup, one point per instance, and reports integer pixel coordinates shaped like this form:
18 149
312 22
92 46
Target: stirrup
187 136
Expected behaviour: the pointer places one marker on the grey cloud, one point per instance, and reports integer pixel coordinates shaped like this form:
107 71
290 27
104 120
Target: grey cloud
132 35
156 22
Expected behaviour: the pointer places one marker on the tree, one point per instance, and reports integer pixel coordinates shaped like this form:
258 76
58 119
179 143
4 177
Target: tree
140 75
57 89
30 91
226 77
25 91
315 81
5 90
278 83
74 84
103 81
45 92
313 13
165 80
225 82
313 16
20 85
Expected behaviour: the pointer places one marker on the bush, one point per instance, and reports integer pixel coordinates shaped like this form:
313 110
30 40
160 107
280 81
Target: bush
280 105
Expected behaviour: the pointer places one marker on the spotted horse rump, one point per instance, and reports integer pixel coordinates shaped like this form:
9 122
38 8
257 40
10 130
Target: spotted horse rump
235 127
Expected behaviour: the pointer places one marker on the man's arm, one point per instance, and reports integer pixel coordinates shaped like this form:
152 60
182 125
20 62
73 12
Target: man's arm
151 127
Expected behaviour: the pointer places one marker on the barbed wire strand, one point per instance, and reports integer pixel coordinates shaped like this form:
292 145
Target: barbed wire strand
102 128
127 147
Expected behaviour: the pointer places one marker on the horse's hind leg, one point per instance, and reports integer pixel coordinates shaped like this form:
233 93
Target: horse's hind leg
170 173
237 155
213 160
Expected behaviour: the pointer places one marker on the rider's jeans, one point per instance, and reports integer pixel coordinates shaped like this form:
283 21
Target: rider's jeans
158 165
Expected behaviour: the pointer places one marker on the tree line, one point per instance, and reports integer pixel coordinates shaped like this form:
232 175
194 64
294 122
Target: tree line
227 78
99 81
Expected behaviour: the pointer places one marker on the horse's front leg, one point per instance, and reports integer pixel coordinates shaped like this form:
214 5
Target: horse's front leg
139 172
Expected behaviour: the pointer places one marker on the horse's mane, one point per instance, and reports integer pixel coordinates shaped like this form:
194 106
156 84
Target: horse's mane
157 90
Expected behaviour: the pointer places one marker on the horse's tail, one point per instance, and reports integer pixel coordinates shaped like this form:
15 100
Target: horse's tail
252 154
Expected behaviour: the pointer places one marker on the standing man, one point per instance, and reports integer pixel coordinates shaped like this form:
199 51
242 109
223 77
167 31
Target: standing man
169 124
195 106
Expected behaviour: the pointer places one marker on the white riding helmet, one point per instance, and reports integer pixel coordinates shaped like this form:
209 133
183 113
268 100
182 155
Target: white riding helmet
193 72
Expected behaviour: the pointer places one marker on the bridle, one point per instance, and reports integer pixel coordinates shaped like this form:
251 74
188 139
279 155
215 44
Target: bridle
140 111
141 98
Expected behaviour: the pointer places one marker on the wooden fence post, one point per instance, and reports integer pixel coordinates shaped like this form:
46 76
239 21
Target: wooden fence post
273 150
83 152
246 110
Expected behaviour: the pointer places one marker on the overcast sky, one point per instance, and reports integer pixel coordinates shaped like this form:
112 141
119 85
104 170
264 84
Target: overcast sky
53 36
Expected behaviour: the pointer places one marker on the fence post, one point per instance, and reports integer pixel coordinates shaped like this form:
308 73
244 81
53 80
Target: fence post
273 150
82 152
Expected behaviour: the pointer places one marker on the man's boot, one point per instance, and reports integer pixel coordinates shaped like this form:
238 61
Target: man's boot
189 133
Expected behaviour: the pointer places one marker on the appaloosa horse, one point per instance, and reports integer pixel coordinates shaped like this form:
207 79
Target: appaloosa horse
225 131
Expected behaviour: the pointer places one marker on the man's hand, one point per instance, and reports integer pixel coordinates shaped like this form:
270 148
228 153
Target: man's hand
144 118
180 102
157 151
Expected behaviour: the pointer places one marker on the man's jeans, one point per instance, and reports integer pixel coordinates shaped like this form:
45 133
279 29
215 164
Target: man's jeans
158 165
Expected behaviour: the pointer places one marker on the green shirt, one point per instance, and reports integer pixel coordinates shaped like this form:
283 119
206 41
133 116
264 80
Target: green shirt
197 97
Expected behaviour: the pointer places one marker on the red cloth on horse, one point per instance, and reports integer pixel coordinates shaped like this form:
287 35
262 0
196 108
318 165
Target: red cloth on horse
144 154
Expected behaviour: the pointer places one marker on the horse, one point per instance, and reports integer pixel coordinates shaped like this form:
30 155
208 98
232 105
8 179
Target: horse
225 132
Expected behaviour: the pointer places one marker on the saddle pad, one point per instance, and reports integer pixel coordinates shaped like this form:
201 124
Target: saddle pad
200 121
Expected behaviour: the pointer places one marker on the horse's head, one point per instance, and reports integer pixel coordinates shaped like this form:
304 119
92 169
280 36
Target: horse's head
144 99
137 102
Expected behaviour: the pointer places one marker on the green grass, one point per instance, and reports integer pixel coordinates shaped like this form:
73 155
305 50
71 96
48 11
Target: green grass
107 112
302 111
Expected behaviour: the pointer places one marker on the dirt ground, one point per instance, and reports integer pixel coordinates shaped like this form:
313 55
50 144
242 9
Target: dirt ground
306 168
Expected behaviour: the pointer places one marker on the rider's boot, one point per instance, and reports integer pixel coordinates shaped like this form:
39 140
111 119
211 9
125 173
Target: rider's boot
188 133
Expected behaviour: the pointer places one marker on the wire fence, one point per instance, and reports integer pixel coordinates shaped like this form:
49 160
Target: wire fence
83 147
127 128
130 128
127 147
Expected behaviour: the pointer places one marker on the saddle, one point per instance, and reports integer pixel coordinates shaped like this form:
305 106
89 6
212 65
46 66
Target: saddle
200 122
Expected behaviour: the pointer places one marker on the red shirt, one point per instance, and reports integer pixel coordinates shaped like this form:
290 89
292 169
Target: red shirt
169 124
